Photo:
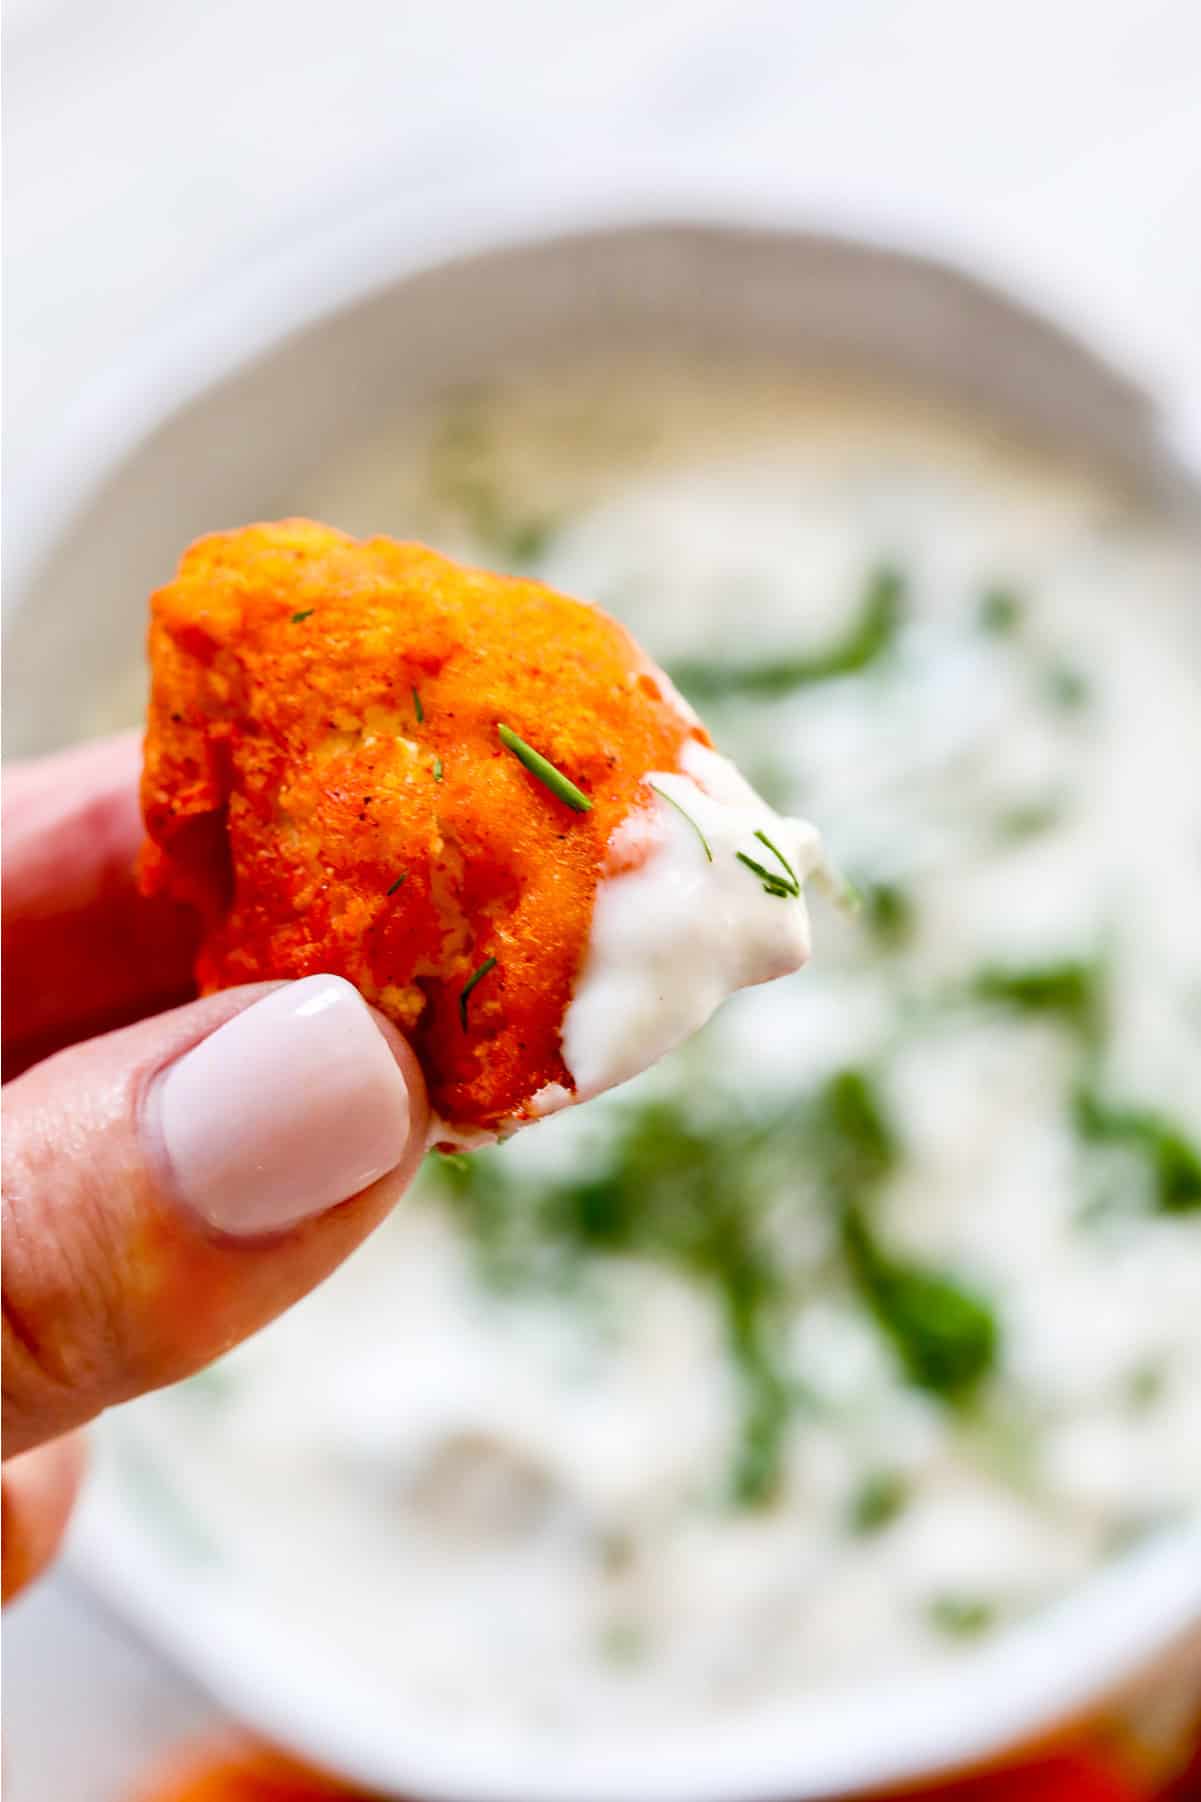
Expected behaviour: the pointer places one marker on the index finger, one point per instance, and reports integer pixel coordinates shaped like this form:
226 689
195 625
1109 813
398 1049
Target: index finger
83 951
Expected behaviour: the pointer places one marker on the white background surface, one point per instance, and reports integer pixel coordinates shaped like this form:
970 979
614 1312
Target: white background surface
154 145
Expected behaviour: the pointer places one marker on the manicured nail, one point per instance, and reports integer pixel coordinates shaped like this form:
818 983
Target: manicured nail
284 1111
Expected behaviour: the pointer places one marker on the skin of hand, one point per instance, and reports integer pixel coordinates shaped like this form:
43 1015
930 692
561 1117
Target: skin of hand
172 1180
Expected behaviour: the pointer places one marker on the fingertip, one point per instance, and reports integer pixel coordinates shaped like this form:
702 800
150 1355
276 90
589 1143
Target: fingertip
172 1187
297 1103
38 1491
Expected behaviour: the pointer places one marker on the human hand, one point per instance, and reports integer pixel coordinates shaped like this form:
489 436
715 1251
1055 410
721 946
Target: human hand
172 1185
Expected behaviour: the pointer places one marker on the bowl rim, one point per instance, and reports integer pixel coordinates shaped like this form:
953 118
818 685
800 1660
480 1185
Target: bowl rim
1026 1687
989 1700
348 257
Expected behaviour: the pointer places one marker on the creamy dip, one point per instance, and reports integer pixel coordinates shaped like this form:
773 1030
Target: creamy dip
682 921
868 1321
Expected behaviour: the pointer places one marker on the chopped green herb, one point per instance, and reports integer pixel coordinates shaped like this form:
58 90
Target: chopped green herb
768 1404
782 860
453 1162
1066 687
1073 989
1000 612
1144 1385
944 1335
488 964
664 796
526 540
439 768
559 785
398 884
1028 819
877 1501
418 709
962 1616
1173 1163
889 912
786 886
690 1196
705 1197
871 635
855 1145
305 613
772 884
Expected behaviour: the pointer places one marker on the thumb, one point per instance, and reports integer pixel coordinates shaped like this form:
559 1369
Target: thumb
170 1188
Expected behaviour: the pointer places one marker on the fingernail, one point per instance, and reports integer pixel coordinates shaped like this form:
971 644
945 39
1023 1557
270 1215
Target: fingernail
284 1111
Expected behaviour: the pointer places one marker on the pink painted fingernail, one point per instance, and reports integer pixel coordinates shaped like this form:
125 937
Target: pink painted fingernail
286 1110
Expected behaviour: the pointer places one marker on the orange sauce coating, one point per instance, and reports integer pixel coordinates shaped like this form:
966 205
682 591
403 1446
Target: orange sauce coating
323 722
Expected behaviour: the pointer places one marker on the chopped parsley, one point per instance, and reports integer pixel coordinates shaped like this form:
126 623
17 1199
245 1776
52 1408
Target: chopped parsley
962 1616
1000 612
854 1142
1070 989
877 1502
1065 687
888 912
1144 1385
869 638
688 1195
1172 1161
524 540
439 769
701 1196
944 1335
1028 819
305 613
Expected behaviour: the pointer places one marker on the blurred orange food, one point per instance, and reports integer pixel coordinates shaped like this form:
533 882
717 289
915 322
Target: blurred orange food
324 781
237 1772
249 1774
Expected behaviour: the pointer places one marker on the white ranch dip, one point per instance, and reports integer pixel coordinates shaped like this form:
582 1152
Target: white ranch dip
544 1454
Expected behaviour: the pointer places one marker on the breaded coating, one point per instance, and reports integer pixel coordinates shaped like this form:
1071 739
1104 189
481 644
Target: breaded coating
325 782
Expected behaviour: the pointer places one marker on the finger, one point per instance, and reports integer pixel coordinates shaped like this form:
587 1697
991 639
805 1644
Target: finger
37 1493
239 1771
171 1187
81 947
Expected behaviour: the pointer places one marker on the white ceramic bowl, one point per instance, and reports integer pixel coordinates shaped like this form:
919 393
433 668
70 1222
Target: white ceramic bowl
214 424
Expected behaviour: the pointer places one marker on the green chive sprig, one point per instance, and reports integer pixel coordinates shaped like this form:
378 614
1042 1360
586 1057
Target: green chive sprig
398 884
418 709
488 964
561 786
664 796
785 887
439 769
